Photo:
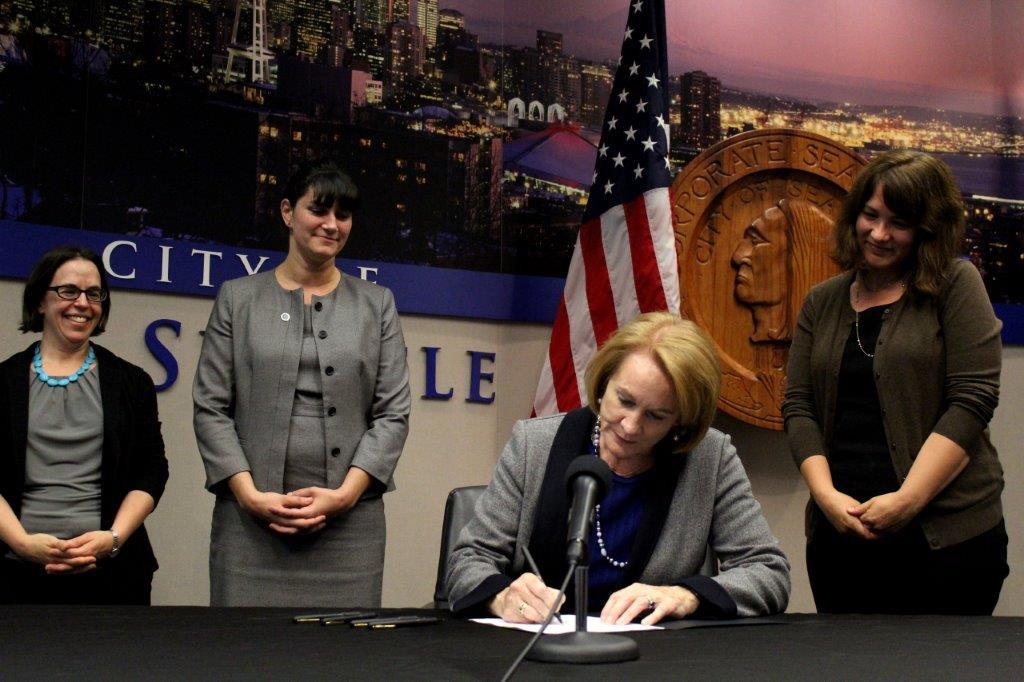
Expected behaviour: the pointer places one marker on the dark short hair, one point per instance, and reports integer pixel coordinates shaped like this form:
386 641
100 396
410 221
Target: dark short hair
920 189
329 183
42 275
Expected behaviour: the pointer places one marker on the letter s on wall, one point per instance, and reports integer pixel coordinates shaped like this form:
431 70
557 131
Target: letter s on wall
160 351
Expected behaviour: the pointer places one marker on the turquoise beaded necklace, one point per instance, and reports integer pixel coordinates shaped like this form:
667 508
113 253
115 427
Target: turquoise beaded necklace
37 367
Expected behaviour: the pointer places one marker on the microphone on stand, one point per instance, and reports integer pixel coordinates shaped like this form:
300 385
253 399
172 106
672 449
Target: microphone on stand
587 480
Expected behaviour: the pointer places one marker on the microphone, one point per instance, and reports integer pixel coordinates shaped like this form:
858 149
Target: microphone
587 480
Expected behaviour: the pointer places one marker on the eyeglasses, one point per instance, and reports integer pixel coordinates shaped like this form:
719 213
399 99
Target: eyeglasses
69 292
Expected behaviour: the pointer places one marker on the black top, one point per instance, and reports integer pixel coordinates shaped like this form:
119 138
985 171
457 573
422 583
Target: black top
859 455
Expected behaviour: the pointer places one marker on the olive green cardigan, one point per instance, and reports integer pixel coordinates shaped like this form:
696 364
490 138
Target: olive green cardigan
937 363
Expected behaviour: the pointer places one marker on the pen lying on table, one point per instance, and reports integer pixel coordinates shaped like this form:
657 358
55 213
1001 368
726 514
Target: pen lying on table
394 622
339 616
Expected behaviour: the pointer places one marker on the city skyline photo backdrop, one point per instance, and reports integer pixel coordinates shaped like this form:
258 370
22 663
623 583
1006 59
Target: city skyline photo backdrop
471 125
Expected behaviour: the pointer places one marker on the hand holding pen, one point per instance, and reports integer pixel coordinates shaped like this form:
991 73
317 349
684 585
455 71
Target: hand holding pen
527 599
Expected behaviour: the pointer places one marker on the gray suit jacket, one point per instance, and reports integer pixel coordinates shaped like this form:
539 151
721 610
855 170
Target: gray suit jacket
245 381
699 500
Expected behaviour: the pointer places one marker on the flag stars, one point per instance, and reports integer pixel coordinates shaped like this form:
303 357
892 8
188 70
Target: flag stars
613 121
629 33
648 144
623 96
645 42
641 106
668 166
638 172
594 179
652 81
634 69
630 133
638 5
602 151
608 187
618 159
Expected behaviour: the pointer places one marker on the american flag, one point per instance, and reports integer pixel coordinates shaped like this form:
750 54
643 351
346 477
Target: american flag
624 262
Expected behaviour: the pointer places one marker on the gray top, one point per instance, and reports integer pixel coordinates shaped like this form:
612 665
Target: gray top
246 379
309 392
305 459
63 457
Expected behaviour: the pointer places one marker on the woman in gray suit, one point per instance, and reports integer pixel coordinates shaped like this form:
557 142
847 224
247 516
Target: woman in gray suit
678 489
301 411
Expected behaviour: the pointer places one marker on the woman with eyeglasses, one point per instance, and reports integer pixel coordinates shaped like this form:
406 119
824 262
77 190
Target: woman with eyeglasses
81 456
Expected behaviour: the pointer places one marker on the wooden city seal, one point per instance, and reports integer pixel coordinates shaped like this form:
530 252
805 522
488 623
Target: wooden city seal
753 217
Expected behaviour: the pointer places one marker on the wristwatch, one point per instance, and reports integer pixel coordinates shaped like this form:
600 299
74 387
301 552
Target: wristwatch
117 544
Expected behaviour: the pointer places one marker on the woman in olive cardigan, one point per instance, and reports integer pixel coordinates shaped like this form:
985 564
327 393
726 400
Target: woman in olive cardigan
893 377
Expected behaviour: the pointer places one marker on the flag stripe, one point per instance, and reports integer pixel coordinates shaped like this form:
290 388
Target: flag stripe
663 235
598 286
581 331
544 401
563 371
620 264
649 292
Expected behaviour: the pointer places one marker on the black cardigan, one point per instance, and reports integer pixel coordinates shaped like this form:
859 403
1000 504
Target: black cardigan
133 449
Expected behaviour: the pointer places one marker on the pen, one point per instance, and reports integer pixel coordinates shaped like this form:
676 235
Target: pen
320 617
394 621
421 620
536 572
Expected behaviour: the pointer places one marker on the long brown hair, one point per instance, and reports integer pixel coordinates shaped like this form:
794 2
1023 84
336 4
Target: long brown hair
919 189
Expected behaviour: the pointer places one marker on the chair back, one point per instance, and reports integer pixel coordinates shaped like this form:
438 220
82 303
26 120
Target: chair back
458 510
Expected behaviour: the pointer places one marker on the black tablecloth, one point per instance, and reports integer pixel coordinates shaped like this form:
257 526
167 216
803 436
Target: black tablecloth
205 643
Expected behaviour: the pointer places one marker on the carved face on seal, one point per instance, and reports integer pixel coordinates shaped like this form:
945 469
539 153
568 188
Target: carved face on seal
760 260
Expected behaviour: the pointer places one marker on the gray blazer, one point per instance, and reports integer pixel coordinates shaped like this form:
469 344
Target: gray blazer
699 500
245 381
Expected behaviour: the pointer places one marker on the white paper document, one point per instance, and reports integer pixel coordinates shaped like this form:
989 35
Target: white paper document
568 624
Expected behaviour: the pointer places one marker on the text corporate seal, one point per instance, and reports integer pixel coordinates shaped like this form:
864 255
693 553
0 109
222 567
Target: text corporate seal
753 217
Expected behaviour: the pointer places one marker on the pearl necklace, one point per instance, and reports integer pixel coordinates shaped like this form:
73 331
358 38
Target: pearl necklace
595 440
37 367
856 319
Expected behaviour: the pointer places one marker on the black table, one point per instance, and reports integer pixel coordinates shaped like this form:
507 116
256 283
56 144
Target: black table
45 642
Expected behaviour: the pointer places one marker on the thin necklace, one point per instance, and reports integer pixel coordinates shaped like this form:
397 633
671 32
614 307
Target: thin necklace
52 382
856 319
595 440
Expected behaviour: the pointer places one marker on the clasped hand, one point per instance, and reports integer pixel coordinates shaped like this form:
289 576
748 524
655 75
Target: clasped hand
870 519
528 600
886 513
302 511
76 555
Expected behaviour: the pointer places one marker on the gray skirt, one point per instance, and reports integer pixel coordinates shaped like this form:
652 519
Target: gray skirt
341 565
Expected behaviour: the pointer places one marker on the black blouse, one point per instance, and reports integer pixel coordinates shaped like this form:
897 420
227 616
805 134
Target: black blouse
859 456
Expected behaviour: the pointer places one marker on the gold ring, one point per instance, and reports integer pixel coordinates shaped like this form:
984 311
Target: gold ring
522 607
651 604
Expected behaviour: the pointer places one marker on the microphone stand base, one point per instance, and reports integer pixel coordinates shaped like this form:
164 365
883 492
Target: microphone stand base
584 647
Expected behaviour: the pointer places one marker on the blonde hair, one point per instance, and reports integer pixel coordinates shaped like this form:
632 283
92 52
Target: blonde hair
683 351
